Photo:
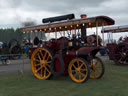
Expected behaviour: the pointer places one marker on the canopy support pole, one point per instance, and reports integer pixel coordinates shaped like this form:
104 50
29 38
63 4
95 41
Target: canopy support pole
56 35
103 33
97 33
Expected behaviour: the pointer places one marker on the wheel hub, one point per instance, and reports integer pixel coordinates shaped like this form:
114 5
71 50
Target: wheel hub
123 54
43 61
78 69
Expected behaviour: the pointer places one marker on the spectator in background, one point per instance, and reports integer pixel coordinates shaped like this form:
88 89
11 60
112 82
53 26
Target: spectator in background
36 41
27 49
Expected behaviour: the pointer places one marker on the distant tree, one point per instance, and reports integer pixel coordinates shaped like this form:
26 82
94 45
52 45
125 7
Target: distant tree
19 34
7 34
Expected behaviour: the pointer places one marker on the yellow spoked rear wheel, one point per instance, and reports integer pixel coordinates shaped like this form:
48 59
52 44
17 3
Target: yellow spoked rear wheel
78 70
96 68
40 63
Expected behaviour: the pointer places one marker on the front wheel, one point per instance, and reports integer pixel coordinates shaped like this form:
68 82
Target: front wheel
40 63
96 68
78 70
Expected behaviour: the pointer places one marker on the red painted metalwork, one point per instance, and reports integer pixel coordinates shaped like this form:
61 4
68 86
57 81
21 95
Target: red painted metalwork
85 47
111 47
67 59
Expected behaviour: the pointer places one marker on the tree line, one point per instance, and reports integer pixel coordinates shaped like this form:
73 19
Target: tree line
10 33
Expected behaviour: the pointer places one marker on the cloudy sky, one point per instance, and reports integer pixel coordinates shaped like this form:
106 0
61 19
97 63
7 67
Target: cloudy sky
14 12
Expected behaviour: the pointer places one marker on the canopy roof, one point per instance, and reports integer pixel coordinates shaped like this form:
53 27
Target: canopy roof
71 24
116 29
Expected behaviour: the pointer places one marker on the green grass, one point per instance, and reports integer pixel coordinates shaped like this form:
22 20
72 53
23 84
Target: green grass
113 83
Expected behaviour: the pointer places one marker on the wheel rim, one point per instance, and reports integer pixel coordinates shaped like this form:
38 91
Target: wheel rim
40 63
96 68
121 55
78 70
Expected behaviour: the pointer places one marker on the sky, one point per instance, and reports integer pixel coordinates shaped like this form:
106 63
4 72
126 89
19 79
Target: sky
14 12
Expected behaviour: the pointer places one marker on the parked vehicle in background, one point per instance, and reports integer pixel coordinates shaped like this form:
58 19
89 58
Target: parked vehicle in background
118 51
13 47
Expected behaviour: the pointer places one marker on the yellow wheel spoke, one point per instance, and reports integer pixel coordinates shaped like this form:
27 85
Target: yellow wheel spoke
47 69
82 74
47 57
36 60
74 66
39 56
49 62
75 74
96 62
44 55
39 68
79 77
82 70
93 73
44 72
37 65
81 65
48 65
73 71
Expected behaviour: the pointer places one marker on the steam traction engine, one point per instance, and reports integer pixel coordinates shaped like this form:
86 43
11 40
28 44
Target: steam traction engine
71 51
118 51
13 48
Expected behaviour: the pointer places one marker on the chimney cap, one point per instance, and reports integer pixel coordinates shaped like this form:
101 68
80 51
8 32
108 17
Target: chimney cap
83 15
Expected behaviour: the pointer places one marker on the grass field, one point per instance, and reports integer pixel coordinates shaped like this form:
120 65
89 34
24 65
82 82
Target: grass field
113 83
